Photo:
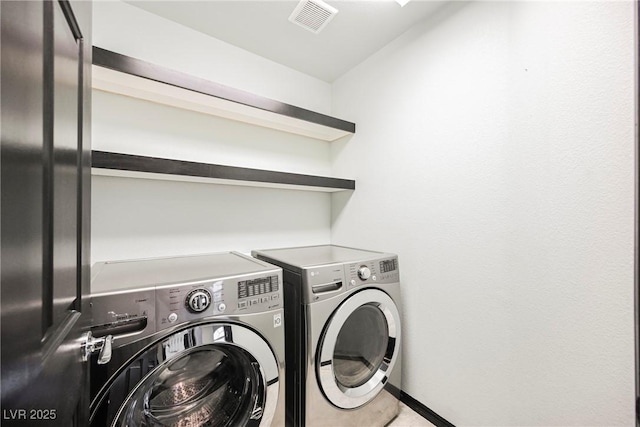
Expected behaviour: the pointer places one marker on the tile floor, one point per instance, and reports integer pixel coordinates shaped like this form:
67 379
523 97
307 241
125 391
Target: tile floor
408 418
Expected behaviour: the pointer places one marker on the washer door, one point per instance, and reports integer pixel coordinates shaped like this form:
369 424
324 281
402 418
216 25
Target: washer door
208 375
358 349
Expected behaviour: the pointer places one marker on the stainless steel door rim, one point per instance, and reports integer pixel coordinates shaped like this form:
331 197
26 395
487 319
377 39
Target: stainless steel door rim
349 397
226 338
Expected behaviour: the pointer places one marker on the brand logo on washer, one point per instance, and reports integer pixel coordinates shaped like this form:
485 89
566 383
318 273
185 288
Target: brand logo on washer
119 317
277 320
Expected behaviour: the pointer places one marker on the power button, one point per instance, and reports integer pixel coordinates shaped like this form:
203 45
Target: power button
172 317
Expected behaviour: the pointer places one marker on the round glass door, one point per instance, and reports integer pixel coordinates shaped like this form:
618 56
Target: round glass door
358 349
213 375
357 355
209 386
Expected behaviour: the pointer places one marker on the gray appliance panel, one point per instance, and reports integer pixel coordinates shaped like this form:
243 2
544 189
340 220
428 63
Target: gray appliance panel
137 298
304 257
322 280
128 315
246 294
133 274
318 410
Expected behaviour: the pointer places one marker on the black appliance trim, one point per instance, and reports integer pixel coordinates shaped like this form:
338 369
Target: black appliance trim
424 411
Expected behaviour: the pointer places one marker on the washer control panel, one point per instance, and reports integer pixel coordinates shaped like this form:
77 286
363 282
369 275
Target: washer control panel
198 300
177 304
260 291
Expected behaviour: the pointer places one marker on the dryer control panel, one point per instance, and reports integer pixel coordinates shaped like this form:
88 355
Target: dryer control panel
373 271
230 296
325 281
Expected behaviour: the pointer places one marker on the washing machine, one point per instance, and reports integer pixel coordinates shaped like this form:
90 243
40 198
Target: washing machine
343 330
187 341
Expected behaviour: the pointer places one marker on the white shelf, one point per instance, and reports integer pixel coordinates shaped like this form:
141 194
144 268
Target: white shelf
133 166
131 77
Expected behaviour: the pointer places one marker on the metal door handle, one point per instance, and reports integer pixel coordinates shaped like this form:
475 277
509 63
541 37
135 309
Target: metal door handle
105 352
90 345
256 414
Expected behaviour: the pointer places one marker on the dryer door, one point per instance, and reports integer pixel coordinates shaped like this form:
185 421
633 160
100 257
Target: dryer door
218 374
358 349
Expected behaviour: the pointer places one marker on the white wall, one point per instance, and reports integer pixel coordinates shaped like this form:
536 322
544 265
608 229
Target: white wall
131 31
140 218
495 155
145 218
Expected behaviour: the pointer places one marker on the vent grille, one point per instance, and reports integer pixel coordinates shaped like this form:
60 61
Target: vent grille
312 15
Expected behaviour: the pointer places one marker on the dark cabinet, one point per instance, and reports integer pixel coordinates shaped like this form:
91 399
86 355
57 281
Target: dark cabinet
45 201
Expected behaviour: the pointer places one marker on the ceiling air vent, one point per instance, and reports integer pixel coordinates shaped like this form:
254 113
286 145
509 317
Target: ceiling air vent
313 15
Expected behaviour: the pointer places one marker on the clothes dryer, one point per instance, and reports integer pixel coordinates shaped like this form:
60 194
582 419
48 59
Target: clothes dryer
197 341
343 335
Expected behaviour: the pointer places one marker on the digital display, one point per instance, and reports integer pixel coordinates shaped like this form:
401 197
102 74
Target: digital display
388 265
262 285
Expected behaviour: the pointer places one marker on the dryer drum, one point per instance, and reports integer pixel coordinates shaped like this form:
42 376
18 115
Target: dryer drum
358 355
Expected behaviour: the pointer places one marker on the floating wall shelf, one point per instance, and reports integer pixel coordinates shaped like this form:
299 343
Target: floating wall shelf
116 73
133 166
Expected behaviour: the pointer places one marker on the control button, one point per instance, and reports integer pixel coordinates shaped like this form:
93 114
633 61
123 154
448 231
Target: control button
242 304
254 301
276 296
374 278
364 273
198 300
352 282
264 299
172 317
222 307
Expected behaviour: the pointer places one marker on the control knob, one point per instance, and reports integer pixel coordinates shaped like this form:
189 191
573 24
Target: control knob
198 300
364 273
